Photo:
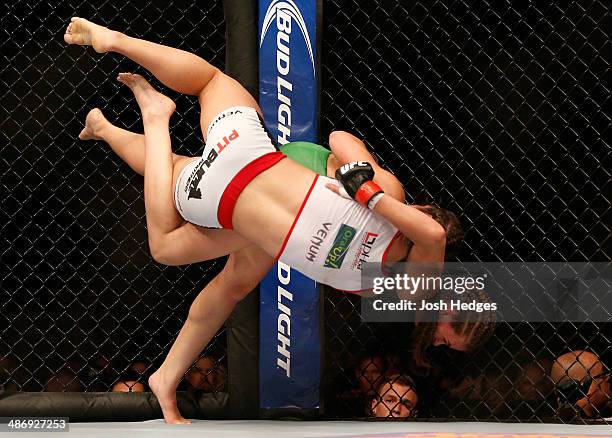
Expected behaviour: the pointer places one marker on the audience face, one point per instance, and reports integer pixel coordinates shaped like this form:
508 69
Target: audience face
395 400
9 375
579 366
140 367
534 382
128 386
393 364
470 387
64 381
206 375
447 335
368 373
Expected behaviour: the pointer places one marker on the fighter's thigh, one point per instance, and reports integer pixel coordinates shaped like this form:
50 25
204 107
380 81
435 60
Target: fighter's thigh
222 92
192 244
244 270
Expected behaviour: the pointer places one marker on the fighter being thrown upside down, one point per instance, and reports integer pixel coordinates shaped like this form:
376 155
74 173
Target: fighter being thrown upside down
251 200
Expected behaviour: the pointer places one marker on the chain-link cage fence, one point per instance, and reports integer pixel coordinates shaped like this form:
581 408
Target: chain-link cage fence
84 306
495 110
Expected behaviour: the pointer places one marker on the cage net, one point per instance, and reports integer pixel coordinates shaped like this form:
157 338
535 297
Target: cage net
495 110
84 306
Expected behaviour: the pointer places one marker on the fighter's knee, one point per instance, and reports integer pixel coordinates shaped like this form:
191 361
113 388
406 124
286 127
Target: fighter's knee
157 252
210 82
236 285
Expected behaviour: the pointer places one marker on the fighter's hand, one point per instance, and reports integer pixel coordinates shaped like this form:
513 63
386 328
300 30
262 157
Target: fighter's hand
338 189
356 180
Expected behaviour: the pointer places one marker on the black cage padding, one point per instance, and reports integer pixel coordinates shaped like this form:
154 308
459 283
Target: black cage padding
243 325
109 406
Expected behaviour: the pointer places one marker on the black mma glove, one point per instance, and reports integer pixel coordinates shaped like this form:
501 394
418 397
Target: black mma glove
356 180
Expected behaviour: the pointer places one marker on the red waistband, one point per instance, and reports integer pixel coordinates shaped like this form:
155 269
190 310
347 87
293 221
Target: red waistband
314 181
239 182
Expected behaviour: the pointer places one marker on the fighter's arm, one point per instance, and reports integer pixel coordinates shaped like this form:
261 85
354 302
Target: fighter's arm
426 257
427 235
345 148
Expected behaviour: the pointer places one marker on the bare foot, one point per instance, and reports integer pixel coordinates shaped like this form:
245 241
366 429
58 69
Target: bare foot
94 122
86 33
166 396
152 103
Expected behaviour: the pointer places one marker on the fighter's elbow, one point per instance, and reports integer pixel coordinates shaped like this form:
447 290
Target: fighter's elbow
340 135
437 236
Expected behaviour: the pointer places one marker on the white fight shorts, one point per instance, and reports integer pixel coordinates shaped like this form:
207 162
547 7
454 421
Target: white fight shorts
237 149
332 236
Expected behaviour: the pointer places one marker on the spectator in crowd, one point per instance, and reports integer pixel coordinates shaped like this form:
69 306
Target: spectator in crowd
131 381
99 373
393 364
11 376
470 387
207 375
396 397
65 380
582 384
497 390
141 367
369 372
533 381
129 386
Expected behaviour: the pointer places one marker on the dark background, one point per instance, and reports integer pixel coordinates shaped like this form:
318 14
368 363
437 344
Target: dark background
495 110
77 277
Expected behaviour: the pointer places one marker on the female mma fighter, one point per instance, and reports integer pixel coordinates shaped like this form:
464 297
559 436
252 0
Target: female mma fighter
173 243
246 267
242 182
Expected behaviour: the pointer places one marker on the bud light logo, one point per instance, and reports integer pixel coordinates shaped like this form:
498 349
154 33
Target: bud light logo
287 69
283 12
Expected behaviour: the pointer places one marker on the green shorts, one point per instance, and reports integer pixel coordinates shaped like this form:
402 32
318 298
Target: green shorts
310 155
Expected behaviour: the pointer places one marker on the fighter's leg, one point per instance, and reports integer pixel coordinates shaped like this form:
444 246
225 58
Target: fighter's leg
219 94
242 272
129 146
179 70
164 224
182 71
188 243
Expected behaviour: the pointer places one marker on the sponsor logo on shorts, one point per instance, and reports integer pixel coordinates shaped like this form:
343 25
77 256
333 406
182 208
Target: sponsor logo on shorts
339 248
222 116
316 240
193 183
363 254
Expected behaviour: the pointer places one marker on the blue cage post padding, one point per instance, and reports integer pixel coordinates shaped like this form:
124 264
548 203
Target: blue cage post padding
290 348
